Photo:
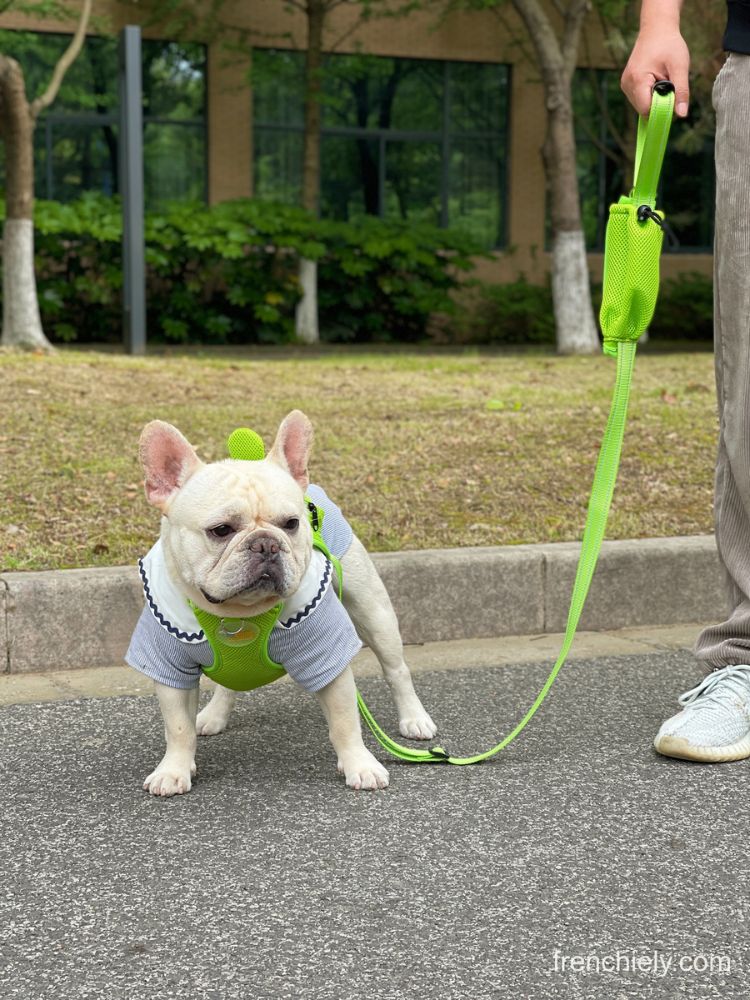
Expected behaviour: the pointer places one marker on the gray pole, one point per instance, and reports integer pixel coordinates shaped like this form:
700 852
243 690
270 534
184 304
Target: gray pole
131 191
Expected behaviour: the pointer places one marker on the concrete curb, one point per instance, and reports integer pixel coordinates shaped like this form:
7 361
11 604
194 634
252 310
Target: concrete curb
83 618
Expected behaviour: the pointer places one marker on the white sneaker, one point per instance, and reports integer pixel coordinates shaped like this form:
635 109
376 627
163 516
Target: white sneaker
714 724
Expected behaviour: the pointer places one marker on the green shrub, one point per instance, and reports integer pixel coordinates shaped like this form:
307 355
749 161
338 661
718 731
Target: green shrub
513 313
228 273
684 310
521 313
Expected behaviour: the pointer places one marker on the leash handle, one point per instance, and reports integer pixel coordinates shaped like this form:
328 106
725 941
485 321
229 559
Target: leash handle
651 144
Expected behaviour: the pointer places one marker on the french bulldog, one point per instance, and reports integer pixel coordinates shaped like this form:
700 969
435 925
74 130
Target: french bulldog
235 540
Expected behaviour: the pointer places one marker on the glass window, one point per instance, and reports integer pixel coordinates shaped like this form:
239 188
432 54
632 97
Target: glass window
600 120
173 162
278 166
76 139
380 93
174 81
401 138
605 128
688 189
417 91
478 98
413 181
475 174
278 84
72 157
349 177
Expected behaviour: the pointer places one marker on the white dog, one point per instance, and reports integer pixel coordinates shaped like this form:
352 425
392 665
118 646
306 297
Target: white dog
236 541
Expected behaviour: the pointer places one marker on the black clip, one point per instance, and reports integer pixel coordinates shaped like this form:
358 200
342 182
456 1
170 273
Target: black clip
646 212
663 87
314 517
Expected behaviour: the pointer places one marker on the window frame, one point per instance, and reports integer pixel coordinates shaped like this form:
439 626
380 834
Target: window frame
442 137
50 118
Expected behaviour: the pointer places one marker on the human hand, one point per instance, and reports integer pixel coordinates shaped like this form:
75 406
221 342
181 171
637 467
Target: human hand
657 56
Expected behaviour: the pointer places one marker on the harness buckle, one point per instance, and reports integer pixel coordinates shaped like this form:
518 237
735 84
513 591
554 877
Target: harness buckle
314 516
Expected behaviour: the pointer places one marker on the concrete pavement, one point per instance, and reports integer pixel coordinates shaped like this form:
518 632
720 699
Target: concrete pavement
578 864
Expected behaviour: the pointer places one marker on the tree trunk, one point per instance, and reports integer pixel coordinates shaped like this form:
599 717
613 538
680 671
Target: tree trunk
306 318
556 53
313 86
571 288
22 325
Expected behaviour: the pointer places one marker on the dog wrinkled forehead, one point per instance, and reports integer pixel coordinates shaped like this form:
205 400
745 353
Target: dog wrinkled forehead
257 491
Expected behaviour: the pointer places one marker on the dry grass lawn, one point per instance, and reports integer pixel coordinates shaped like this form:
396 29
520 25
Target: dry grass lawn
421 448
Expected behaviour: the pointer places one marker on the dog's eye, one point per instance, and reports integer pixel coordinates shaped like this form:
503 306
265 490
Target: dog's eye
292 524
221 531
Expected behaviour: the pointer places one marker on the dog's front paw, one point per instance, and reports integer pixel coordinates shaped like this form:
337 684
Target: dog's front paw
417 726
170 778
361 770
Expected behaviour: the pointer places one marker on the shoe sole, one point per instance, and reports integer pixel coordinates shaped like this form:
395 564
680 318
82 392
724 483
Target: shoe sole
675 746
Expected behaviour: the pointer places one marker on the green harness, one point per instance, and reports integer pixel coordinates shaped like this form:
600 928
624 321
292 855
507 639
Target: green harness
240 645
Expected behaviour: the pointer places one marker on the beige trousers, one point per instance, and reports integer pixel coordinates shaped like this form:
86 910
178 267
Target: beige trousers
729 641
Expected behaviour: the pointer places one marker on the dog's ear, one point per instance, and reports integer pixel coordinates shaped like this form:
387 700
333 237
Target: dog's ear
168 461
292 447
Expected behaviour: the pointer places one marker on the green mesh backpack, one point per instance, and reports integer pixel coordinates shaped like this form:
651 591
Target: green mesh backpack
635 231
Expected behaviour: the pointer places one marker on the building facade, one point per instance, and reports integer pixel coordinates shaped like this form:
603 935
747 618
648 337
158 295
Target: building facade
437 119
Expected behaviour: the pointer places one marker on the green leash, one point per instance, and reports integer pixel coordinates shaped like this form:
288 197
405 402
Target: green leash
631 283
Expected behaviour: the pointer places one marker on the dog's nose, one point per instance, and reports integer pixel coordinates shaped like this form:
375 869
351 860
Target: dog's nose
265 545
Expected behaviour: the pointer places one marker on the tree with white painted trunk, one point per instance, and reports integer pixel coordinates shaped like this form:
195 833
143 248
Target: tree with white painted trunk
555 44
306 316
184 18
553 48
316 14
22 325
556 54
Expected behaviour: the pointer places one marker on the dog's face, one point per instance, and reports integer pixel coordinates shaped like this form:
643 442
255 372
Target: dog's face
236 534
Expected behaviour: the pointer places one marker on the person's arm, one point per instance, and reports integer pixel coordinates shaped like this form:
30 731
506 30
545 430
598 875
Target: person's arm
660 53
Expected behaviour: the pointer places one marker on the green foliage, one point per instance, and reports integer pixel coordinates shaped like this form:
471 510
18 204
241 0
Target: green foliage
521 313
38 9
684 310
514 313
228 274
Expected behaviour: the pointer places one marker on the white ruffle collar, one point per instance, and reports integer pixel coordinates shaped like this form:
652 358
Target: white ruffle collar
170 607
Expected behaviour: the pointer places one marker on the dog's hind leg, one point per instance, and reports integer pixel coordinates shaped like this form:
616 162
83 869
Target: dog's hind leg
214 717
370 608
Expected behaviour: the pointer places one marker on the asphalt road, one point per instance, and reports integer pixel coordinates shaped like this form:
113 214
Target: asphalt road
577 864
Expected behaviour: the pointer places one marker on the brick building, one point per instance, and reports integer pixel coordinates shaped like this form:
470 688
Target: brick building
437 120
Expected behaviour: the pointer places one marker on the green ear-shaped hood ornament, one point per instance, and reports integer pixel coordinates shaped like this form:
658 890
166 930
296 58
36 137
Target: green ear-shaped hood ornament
246 444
